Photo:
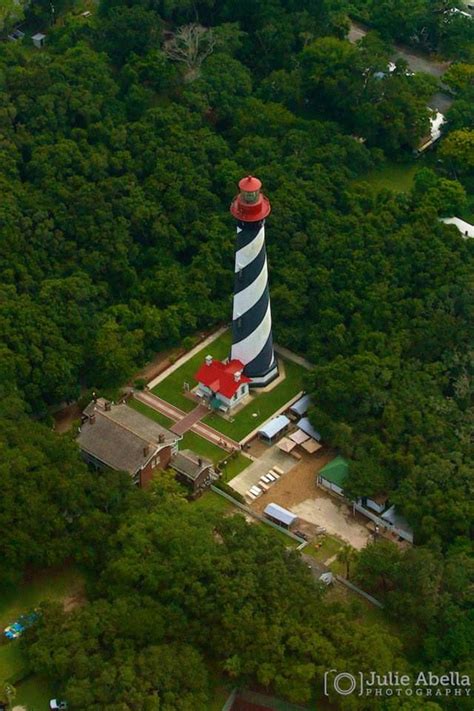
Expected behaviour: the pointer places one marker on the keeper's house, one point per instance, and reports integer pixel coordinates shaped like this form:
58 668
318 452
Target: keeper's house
222 384
118 437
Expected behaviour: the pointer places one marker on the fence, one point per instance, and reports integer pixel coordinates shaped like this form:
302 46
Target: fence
357 590
254 514
406 535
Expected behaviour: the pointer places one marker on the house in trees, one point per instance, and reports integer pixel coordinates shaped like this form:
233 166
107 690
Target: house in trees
334 474
118 437
192 470
222 384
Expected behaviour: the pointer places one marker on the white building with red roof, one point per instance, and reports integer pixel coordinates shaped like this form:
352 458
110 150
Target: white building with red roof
222 384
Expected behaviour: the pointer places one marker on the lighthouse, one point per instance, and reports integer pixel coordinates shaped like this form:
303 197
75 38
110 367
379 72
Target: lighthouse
252 342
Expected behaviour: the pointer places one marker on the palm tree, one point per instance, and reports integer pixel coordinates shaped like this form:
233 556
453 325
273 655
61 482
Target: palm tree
347 555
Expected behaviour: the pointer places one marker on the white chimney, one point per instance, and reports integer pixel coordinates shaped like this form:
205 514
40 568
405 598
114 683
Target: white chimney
237 375
208 360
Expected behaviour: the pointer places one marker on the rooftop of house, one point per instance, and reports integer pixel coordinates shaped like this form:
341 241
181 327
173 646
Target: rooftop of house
120 437
190 464
222 378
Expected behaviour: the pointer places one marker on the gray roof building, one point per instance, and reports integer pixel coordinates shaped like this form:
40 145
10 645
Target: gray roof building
188 463
121 438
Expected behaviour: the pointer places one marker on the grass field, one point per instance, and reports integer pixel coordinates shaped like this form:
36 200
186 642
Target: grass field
32 692
262 406
171 389
150 412
330 546
47 585
214 504
394 176
202 446
235 466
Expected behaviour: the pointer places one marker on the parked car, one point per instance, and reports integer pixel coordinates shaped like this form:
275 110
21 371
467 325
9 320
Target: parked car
58 705
17 628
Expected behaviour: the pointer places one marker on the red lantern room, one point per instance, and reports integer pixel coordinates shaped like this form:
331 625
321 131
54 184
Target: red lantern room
250 205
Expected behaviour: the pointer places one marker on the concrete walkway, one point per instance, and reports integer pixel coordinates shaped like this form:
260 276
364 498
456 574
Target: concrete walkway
289 355
202 344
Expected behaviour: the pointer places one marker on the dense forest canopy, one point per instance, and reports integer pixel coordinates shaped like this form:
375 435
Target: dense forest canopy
120 147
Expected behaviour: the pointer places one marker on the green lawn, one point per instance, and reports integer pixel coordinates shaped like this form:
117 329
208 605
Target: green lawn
47 585
201 446
214 503
235 466
171 389
150 412
394 176
12 663
330 546
34 693
262 406
55 584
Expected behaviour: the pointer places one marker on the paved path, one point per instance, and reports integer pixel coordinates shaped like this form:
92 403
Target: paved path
187 422
174 413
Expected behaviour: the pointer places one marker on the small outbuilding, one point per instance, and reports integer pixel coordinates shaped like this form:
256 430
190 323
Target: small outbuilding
305 425
273 428
301 406
333 476
38 40
399 523
279 515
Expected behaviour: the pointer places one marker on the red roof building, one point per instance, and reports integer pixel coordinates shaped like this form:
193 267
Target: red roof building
223 384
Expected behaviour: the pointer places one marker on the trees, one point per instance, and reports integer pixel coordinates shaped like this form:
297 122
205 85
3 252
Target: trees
458 150
190 45
11 11
178 587
48 498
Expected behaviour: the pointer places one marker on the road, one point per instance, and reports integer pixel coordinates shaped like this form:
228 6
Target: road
416 62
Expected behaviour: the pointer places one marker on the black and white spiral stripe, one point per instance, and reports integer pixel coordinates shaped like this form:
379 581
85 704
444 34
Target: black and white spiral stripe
252 341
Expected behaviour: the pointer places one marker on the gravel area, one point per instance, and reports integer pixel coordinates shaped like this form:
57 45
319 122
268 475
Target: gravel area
298 492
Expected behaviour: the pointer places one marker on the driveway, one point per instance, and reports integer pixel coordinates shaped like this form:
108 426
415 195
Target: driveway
416 62
335 517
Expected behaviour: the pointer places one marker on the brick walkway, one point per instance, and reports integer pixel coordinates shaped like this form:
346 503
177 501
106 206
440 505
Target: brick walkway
174 413
187 422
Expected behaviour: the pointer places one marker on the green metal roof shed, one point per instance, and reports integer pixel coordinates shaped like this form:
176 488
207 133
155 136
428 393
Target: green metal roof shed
336 473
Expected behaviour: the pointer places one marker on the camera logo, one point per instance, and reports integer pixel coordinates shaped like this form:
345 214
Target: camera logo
342 683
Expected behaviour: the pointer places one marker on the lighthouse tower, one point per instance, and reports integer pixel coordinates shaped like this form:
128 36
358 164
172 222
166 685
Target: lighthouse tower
252 341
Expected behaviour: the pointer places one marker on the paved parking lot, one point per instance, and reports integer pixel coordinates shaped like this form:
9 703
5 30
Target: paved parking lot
250 476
